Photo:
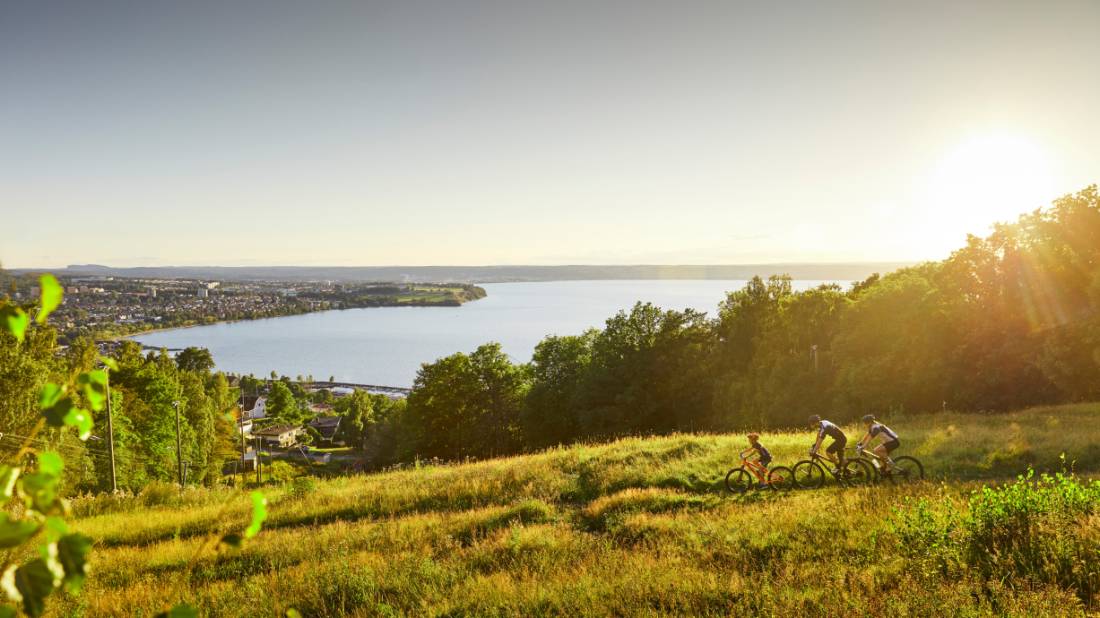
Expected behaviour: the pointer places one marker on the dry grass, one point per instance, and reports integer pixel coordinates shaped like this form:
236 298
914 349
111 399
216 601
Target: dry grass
633 527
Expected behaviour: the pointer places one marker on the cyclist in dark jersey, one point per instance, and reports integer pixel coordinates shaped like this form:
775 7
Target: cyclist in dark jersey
835 451
762 454
888 439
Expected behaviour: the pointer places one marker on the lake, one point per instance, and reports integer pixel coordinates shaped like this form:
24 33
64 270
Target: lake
386 345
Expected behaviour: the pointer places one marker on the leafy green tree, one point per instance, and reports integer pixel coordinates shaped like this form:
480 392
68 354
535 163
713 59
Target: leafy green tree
197 360
282 406
559 368
467 405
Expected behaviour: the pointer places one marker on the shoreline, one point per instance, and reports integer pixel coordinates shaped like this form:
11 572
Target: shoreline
164 329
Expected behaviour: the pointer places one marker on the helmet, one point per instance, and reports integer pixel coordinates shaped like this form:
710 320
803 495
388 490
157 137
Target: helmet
868 418
814 419
754 436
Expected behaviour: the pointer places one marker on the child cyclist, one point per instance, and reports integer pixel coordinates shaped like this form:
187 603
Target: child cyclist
888 440
757 451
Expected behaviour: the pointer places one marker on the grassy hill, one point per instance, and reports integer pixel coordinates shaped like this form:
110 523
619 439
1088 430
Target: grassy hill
636 526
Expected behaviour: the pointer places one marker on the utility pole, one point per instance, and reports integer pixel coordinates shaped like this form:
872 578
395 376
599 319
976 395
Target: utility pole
240 428
179 447
110 432
259 476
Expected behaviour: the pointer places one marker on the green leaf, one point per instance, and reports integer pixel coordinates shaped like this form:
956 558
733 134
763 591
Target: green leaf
55 414
293 613
7 611
109 362
50 462
40 488
80 419
259 514
56 528
15 532
94 386
51 297
49 395
233 539
8 476
35 582
182 610
72 551
15 320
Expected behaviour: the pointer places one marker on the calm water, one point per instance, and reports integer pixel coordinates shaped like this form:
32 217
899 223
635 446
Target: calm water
386 345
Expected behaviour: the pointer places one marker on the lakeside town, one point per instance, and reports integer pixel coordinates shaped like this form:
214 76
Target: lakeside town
108 307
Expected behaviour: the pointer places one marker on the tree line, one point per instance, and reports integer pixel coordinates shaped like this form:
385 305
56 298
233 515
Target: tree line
1010 320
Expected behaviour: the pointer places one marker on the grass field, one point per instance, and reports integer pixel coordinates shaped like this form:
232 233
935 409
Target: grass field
639 526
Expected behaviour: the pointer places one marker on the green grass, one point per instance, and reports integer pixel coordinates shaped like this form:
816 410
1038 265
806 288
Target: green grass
639 526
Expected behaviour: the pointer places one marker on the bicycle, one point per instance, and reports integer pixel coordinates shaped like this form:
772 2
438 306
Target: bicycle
906 469
754 475
810 473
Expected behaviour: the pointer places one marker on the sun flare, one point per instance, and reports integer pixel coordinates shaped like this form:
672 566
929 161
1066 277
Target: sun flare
987 179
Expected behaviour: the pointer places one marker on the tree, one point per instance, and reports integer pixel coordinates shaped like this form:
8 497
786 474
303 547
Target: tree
467 405
282 406
197 360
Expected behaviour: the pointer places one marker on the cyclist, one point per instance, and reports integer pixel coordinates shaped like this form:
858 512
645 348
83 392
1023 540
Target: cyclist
757 452
835 451
888 444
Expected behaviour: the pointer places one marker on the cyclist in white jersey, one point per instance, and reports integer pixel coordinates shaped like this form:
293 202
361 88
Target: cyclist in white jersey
888 440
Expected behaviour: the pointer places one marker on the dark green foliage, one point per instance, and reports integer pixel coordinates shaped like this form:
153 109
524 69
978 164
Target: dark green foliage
198 360
1009 321
1027 532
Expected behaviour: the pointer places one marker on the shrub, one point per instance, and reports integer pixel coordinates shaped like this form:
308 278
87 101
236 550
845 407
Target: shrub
1026 532
159 493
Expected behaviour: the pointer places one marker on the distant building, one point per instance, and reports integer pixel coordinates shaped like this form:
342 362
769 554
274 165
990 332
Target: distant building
152 290
279 436
328 427
204 293
254 407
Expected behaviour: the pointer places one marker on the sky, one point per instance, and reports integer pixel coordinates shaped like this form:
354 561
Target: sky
511 132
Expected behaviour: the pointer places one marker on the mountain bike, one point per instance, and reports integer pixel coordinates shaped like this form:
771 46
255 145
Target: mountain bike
810 473
754 475
906 469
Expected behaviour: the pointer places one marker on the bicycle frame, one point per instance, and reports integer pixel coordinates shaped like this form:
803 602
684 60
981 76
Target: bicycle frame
832 468
756 468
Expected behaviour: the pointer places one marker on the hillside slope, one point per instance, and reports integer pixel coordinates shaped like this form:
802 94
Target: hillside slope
637 526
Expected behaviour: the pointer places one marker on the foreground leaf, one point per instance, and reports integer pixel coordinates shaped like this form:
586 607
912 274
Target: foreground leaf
56 413
8 476
259 514
15 321
35 582
81 420
72 552
50 299
94 386
50 462
15 532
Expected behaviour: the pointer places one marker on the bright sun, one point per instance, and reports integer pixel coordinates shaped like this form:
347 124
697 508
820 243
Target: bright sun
984 180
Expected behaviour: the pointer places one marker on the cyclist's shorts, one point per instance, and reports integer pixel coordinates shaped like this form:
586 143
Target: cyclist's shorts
891 445
837 447
766 462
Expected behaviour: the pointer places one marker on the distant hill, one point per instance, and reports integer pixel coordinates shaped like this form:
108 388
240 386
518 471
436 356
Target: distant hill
487 274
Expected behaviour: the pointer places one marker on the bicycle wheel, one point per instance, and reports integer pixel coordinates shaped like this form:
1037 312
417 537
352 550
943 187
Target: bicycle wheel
906 470
808 475
781 478
858 473
739 480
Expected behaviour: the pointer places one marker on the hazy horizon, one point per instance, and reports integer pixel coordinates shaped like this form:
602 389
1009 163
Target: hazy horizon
362 134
